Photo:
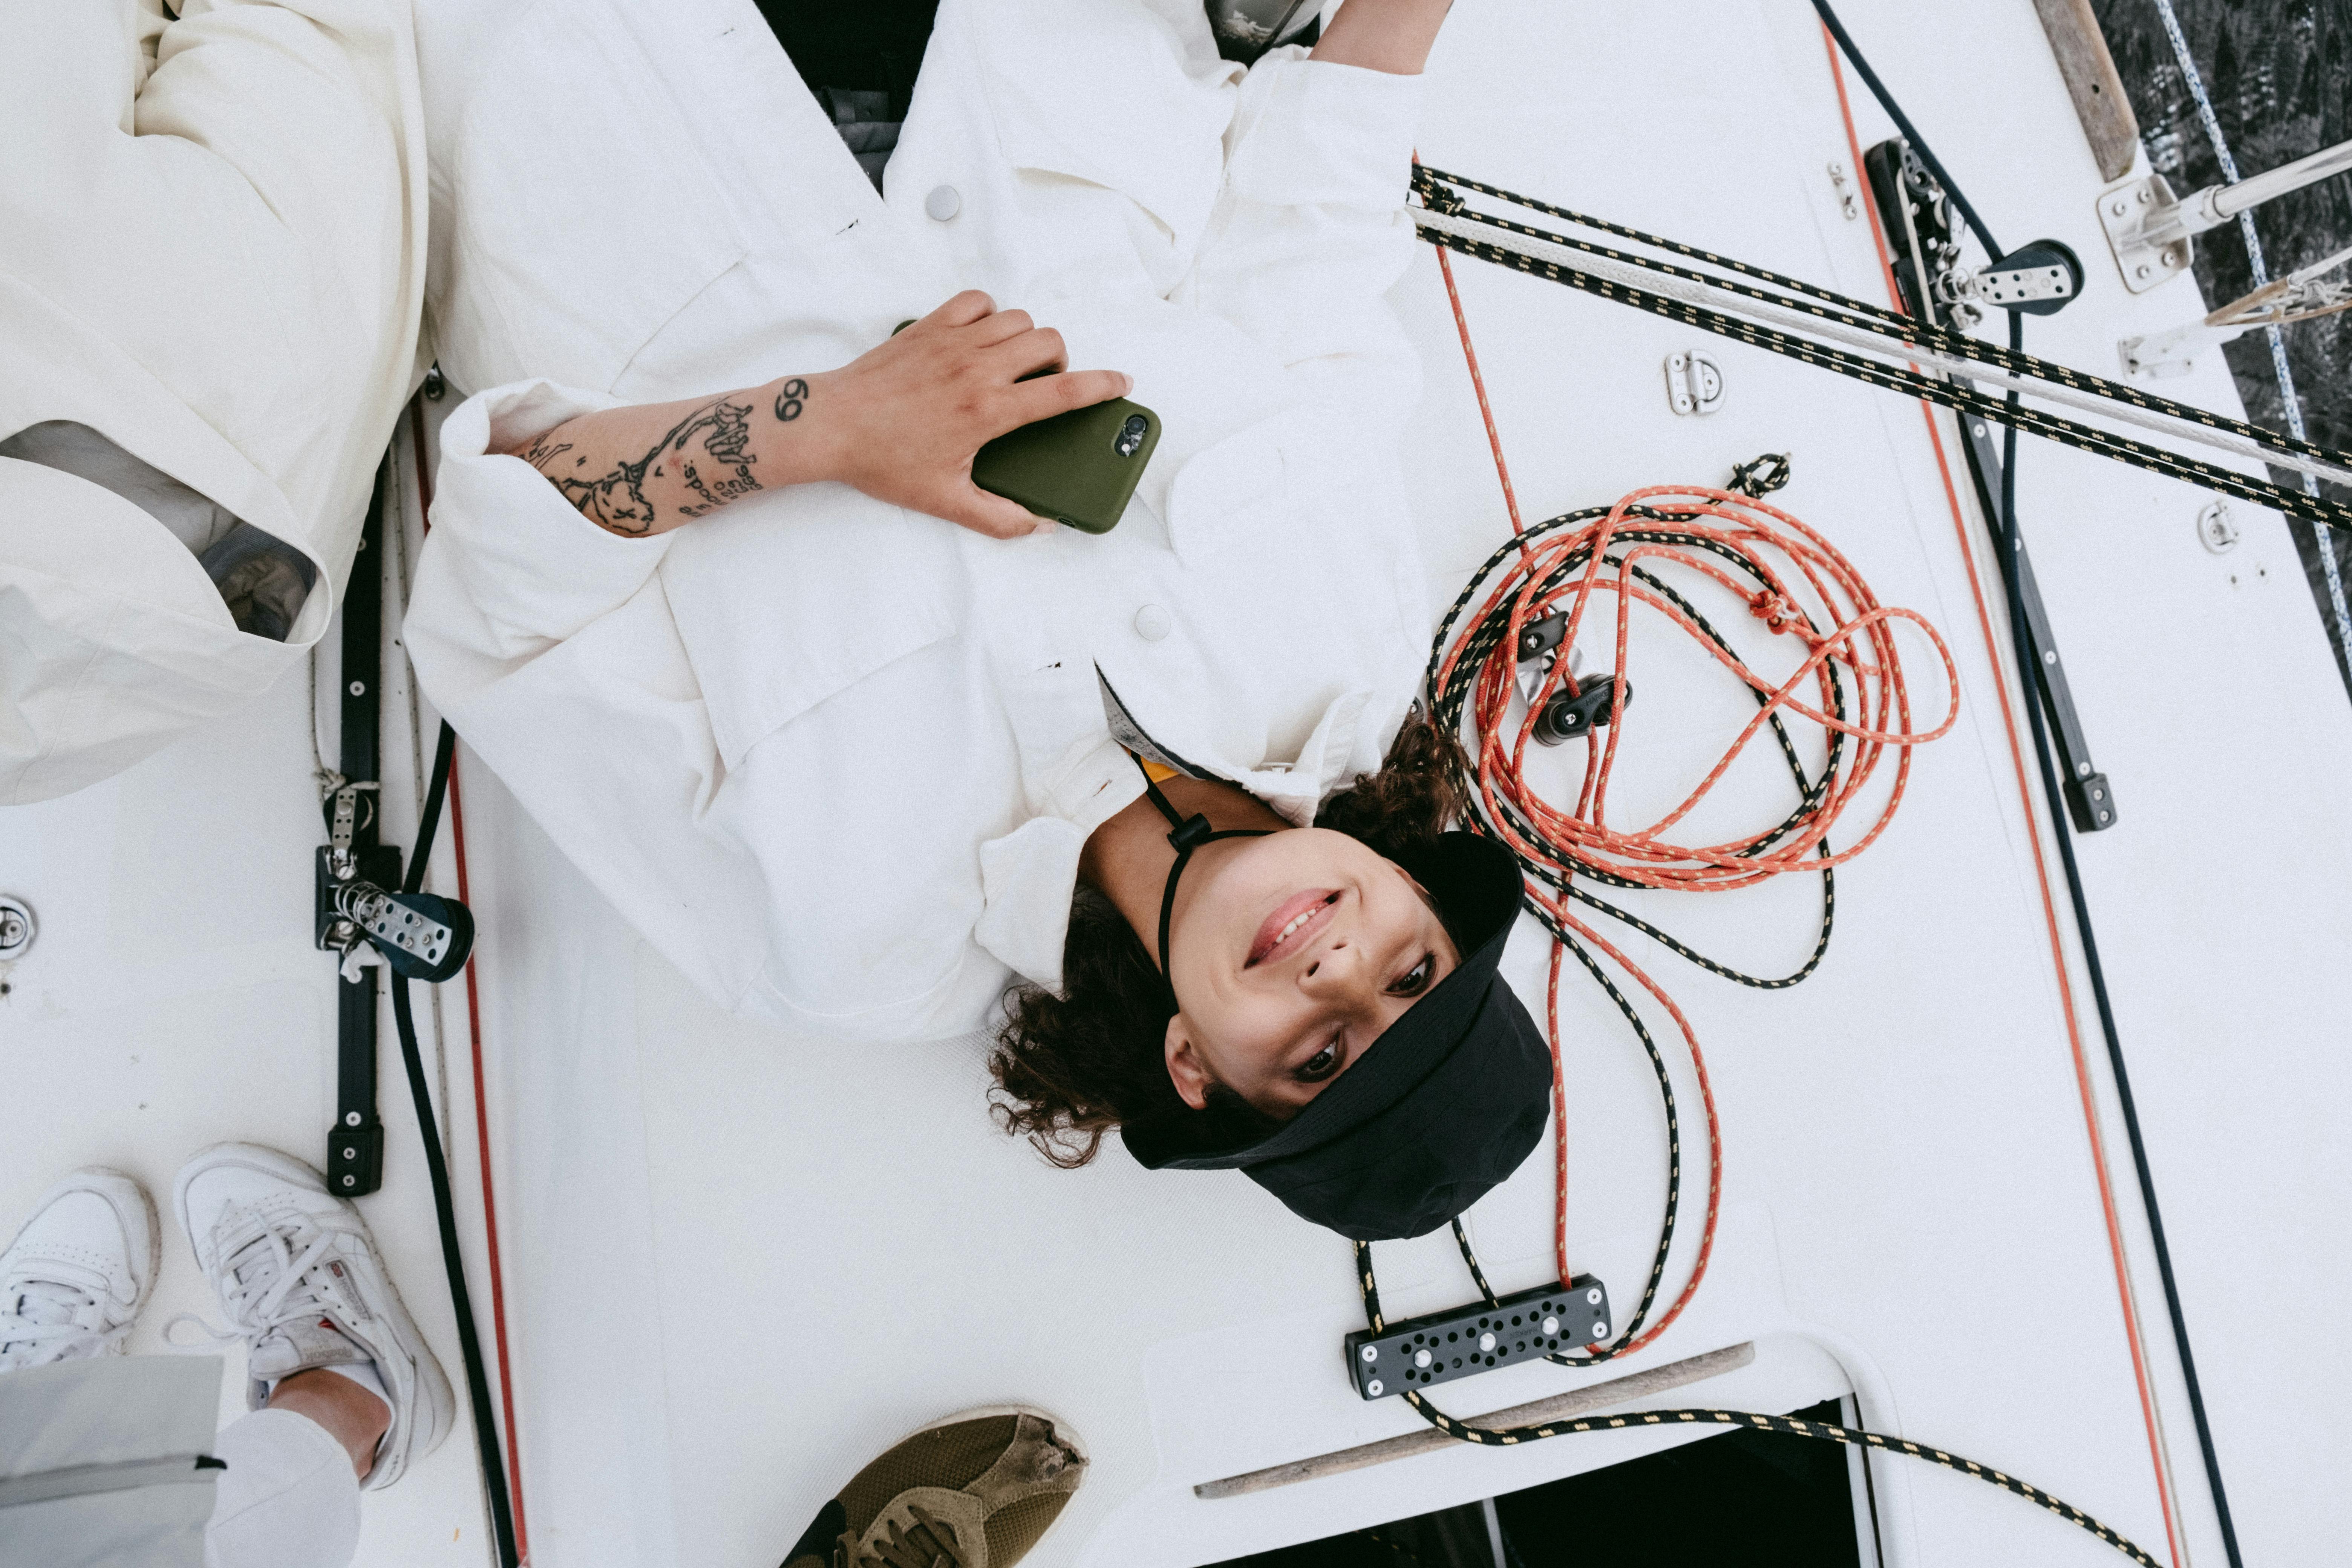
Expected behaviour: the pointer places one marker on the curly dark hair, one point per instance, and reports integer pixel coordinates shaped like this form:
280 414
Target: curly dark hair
1069 1069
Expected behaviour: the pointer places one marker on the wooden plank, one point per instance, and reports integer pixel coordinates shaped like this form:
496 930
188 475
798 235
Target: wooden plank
2100 102
1558 1407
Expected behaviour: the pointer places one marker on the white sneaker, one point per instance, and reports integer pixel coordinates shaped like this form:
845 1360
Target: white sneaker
299 1281
79 1272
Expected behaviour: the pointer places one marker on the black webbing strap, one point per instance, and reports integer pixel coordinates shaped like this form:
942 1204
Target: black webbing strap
1186 834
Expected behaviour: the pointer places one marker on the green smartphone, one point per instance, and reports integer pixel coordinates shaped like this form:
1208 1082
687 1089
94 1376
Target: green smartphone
1078 468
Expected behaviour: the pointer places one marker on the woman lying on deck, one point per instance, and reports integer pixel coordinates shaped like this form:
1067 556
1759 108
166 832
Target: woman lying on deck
854 770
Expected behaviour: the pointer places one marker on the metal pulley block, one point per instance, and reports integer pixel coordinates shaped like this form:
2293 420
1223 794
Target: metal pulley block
419 936
2039 278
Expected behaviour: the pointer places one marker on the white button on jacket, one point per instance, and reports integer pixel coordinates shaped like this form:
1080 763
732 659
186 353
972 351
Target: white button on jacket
836 759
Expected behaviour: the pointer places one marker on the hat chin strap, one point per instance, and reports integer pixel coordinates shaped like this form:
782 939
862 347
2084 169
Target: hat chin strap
1186 834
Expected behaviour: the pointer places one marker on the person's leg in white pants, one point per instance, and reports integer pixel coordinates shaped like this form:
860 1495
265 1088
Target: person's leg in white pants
345 1393
287 1500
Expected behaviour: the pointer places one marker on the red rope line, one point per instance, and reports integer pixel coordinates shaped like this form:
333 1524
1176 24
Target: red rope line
1478 384
2041 866
481 1103
1808 584
1861 640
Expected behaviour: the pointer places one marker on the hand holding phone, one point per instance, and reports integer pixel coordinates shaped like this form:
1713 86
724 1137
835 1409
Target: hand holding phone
902 421
1078 468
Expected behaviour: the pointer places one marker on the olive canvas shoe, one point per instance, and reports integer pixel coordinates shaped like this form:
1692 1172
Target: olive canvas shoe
974 1490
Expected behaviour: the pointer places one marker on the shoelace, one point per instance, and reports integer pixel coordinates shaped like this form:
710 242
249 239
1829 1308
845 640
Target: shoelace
905 1548
46 1320
266 1281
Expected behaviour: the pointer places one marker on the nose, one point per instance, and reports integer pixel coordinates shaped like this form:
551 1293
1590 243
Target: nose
1339 969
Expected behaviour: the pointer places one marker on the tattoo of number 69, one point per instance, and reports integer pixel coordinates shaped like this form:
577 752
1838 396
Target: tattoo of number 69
790 399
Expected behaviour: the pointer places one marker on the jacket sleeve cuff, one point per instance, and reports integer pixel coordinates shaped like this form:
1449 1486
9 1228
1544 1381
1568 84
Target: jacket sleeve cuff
1311 133
531 562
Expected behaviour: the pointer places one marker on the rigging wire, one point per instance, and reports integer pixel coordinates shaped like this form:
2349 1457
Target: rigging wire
2006 542
1851 320
510 1476
1749 315
436 1166
2060 970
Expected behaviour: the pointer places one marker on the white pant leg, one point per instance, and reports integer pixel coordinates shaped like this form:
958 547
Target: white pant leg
287 1500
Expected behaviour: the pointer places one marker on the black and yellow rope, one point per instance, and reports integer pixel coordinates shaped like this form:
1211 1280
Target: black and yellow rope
1859 313
1964 399
1827 1431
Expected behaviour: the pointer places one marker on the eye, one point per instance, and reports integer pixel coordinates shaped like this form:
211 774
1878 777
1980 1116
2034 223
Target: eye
1319 1065
1415 981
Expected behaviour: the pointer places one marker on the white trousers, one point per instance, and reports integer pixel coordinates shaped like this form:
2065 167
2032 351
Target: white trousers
287 1500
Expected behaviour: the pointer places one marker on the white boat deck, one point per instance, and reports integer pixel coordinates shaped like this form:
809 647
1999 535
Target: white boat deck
735 1263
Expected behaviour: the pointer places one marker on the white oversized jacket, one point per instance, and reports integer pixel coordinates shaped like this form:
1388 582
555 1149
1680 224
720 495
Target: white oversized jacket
836 759
211 251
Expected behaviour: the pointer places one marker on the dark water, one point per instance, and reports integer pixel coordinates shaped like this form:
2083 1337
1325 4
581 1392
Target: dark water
2279 73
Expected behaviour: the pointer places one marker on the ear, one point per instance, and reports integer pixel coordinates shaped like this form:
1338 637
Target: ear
1185 1069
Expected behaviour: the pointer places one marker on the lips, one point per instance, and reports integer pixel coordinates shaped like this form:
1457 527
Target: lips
1287 928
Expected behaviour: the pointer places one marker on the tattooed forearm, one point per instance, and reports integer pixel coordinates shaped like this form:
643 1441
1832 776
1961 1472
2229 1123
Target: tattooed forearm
707 454
648 467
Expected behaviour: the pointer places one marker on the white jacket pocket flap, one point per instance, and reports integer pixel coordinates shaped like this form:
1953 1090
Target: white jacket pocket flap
784 600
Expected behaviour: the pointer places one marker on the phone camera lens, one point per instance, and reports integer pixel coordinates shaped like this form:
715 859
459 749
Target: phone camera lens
1132 433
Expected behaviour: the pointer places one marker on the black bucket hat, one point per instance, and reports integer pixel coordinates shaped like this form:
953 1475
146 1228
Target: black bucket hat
1444 1105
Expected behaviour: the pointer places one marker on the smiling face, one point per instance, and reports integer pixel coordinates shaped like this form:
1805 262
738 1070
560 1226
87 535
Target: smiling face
1291 954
